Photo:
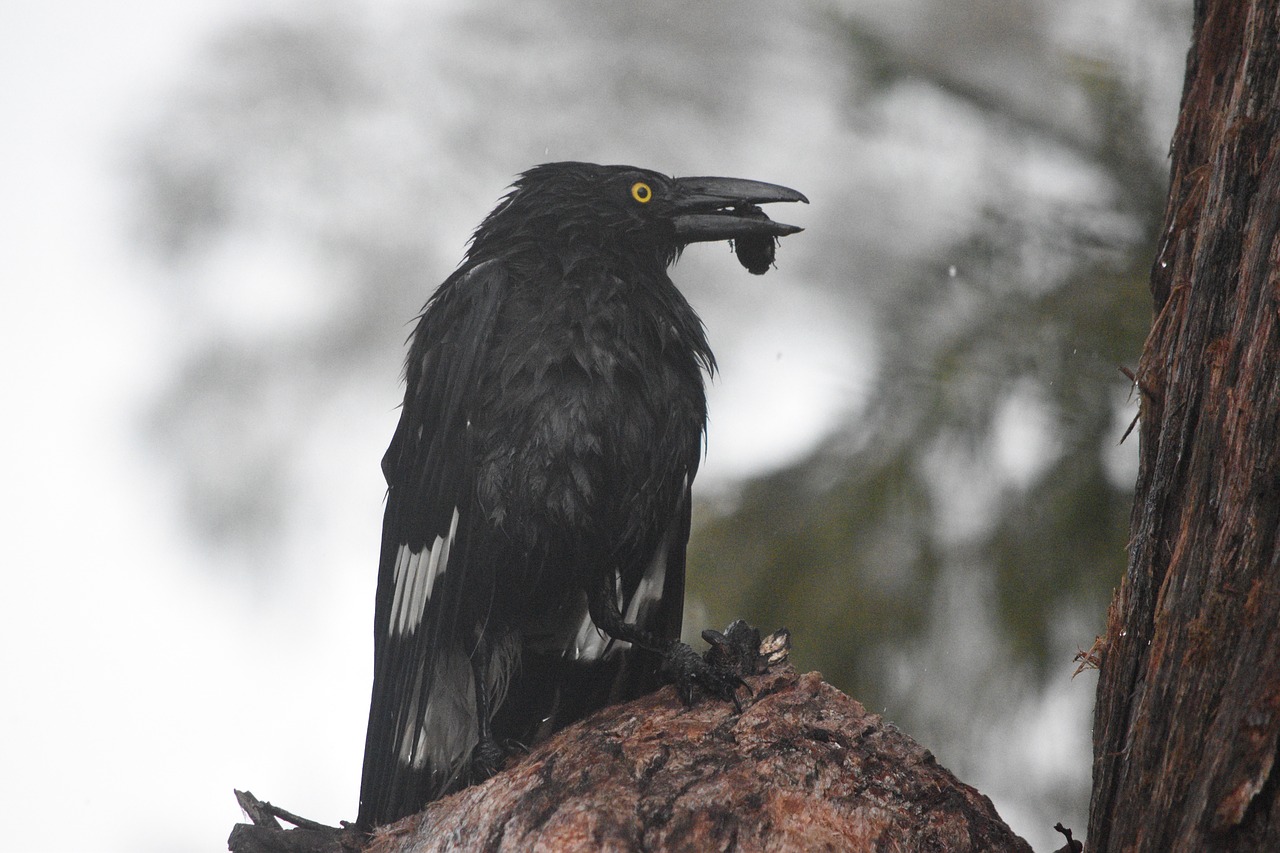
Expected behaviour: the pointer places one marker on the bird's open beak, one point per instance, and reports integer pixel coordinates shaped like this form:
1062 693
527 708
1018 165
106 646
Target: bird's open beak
727 208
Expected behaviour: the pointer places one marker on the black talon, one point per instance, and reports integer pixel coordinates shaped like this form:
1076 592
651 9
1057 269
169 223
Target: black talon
511 746
486 759
741 650
737 649
689 670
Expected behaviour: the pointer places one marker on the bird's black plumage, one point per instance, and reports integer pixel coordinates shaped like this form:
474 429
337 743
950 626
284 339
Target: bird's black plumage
538 504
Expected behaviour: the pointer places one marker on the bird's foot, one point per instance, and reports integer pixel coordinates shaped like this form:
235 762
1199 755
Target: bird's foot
689 670
511 746
739 648
735 653
486 759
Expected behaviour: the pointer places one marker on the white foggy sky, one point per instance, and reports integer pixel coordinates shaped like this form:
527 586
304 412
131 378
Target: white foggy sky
119 729
140 685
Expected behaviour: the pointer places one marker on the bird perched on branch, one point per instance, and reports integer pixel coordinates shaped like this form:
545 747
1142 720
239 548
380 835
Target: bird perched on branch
533 547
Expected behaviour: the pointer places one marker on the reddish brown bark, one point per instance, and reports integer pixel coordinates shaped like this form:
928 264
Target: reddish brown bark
803 768
1187 723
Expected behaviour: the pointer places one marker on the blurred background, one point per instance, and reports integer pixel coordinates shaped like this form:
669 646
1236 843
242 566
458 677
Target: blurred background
220 218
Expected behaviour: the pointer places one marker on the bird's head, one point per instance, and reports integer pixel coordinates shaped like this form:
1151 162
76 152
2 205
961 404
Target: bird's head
632 210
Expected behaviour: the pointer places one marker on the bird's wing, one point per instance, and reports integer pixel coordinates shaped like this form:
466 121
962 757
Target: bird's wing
422 718
569 667
651 598
656 604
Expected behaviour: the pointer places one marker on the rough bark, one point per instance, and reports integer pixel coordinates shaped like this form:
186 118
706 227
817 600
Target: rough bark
1187 721
803 767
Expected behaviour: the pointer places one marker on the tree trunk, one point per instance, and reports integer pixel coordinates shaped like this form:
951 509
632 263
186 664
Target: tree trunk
1188 713
801 767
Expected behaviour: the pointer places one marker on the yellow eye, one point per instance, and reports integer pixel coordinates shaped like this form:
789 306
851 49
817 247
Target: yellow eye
641 192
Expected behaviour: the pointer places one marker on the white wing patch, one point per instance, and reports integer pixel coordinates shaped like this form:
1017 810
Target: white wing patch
649 590
590 643
415 577
443 737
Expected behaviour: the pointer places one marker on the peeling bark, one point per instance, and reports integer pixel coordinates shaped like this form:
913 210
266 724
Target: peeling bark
1187 722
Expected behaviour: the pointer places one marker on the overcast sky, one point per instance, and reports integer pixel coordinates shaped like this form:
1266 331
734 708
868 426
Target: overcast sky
120 728
136 677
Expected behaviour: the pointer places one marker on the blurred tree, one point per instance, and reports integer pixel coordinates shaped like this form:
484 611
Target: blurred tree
985 474
319 172
986 178
1015 333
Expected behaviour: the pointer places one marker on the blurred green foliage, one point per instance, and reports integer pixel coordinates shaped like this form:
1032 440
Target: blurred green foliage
1027 318
987 181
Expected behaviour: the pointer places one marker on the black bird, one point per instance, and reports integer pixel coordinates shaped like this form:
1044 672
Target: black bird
533 548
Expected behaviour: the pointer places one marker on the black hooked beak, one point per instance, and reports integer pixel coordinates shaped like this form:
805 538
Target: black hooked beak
727 208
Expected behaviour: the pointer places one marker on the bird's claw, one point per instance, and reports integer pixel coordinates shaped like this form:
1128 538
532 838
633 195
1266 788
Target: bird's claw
689 670
511 746
740 649
735 654
486 759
